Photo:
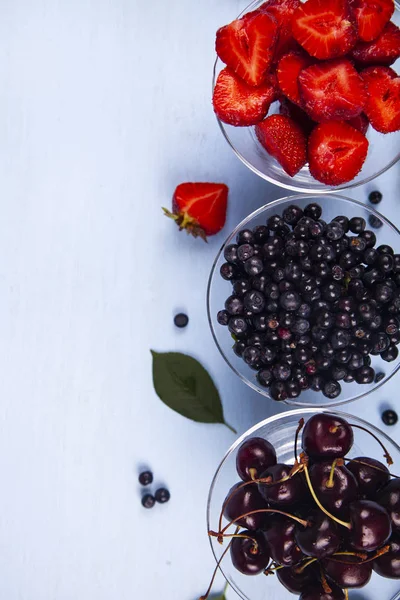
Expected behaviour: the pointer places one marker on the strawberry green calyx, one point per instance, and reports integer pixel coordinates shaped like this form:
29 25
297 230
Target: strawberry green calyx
184 221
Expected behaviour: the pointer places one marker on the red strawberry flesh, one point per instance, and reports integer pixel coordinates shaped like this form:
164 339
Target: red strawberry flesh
247 46
239 104
332 90
288 71
324 28
383 98
282 11
336 153
285 140
371 17
200 208
385 50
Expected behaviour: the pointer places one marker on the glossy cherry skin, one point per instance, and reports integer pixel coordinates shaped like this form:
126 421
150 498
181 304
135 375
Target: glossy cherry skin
280 536
389 498
257 454
343 492
245 500
288 492
248 558
316 592
327 436
349 573
370 526
388 565
297 582
321 538
369 479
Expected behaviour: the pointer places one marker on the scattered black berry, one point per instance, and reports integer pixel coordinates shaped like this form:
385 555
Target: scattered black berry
389 417
146 478
148 501
162 495
375 197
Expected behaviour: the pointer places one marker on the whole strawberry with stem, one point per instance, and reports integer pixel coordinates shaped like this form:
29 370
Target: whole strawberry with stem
200 208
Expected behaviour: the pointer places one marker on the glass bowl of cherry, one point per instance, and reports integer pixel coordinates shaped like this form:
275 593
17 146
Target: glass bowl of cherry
306 502
383 149
303 300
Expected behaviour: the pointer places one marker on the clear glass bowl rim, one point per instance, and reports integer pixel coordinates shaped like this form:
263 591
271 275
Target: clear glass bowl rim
286 186
213 273
253 431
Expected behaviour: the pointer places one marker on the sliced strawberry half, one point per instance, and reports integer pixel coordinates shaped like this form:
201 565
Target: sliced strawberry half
371 17
285 140
336 152
332 90
324 28
288 71
200 208
239 104
247 46
385 50
361 123
383 98
298 115
283 11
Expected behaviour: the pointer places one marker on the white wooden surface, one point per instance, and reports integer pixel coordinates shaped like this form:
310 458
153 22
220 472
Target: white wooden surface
104 108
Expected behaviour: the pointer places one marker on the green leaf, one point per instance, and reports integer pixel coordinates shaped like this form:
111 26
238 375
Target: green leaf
218 597
184 385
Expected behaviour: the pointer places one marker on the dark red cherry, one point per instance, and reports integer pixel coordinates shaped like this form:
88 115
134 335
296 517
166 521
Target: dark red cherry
321 538
256 454
297 582
250 556
316 592
389 498
348 571
286 493
370 476
246 499
280 536
388 565
370 525
327 436
344 486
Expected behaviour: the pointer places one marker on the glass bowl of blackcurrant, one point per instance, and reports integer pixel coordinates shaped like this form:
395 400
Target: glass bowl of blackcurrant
308 503
304 300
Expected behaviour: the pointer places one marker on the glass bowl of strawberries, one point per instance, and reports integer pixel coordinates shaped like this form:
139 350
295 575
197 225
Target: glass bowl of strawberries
307 93
307 503
303 300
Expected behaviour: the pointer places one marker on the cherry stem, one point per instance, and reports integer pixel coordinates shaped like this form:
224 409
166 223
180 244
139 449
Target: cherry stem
257 512
329 483
360 555
307 474
216 571
346 594
324 582
363 557
254 550
360 462
386 454
253 473
296 439
272 570
378 553
302 568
